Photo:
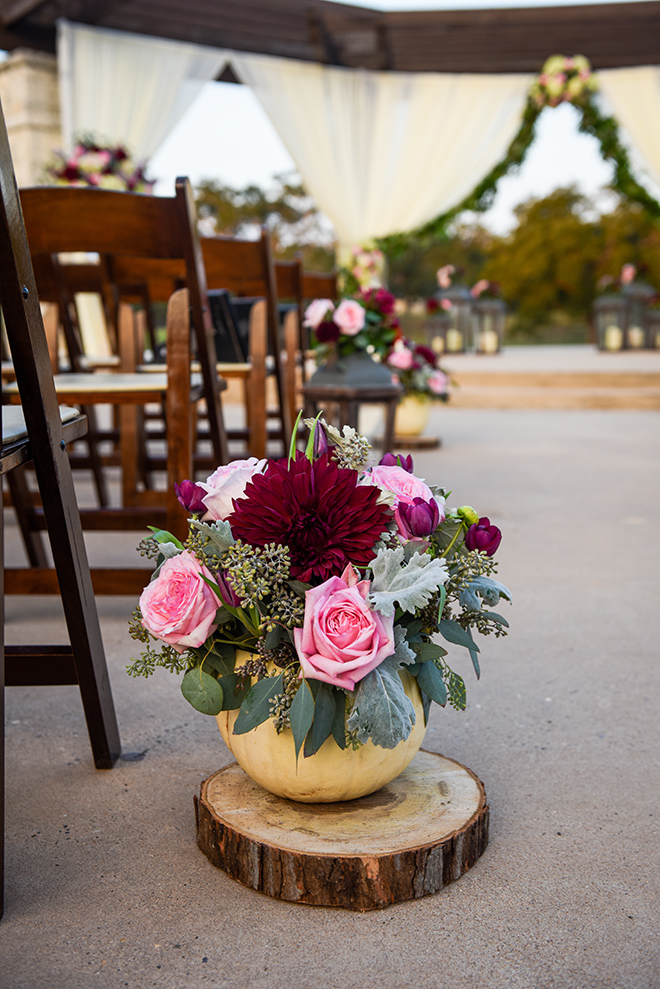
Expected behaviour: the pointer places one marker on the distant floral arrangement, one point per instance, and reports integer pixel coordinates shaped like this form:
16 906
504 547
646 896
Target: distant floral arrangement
483 289
362 268
309 584
418 370
91 164
364 322
563 80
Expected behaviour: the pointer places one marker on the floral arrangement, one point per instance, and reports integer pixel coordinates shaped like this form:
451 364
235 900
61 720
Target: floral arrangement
91 164
362 268
483 289
418 371
333 576
365 322
563 80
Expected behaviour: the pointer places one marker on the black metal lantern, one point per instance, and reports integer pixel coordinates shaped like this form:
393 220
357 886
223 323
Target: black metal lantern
458 334
488 322
435 330
653 329
610 317
637 296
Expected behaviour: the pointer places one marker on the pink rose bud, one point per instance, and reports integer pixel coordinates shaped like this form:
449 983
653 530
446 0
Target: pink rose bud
349 317
342 638
178 606
483 536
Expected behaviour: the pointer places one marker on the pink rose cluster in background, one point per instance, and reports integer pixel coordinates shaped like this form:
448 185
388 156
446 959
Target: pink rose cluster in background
317 312
349 317
178 607
342 638
225 484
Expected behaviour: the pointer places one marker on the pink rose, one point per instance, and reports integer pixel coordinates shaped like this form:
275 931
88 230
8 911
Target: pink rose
479 288
403 359
444 275
438 383
225 484
342 639
178 607
349 317
317 311
628 273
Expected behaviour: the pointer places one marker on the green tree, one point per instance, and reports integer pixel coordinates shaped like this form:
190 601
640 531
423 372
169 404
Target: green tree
294 222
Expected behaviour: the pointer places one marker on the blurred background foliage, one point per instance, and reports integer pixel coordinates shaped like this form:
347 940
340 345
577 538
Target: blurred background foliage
561 253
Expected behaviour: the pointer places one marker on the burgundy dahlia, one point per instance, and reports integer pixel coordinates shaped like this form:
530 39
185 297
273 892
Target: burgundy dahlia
483 536
316 509
426 354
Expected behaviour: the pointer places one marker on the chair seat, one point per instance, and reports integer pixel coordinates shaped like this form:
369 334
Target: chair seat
107 388
13 422
15 441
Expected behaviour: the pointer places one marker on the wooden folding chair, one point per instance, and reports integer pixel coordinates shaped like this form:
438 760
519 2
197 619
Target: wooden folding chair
36 432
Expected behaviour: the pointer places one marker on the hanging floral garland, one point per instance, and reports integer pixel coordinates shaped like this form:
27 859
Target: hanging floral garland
562 80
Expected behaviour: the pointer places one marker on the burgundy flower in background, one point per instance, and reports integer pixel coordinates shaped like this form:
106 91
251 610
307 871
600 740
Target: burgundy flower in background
426 354
384 300
397 460
432 305
190 497
420 518
327 332
317 510
483 536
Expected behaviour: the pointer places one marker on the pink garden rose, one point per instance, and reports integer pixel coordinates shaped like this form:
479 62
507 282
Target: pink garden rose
178 607
349 317
438 382
225 484
403 359
317 311
444 275
342 639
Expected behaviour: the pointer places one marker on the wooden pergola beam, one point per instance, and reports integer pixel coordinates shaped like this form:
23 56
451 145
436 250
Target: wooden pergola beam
494 40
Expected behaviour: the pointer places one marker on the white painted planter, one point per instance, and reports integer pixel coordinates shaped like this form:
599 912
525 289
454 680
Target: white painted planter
332 774
412 416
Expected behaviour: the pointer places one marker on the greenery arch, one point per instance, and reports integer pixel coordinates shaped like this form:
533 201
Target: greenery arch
562 80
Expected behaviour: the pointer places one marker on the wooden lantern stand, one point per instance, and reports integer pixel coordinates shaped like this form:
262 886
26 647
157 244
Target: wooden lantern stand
407 840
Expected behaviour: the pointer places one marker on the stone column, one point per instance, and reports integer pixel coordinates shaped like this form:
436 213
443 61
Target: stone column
30 101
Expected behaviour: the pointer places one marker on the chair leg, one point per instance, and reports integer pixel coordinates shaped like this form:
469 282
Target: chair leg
94 455
23 506
2 719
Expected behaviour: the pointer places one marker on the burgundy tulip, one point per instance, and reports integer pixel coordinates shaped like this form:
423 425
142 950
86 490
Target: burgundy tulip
190 496
396 460
419 518
483 536
320 445
227 592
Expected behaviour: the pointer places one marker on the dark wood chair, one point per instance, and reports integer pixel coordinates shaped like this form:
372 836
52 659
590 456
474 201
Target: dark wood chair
36 433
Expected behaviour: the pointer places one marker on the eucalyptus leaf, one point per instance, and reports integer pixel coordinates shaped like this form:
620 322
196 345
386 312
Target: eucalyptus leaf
202 691
222 658
447 533
255 709
475 663
453 632
427 651
494 617
299 587
273 637
339 723
324 716
163 536
410 586
432 683
234 689
426 706
301 715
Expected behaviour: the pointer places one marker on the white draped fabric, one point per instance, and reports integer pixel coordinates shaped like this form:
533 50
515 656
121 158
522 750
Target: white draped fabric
633 96
383 152
127 88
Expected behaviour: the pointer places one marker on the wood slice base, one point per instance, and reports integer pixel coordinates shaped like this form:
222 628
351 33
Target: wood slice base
407 840
412 442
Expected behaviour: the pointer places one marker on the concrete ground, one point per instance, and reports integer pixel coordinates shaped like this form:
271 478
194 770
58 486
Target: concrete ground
106 887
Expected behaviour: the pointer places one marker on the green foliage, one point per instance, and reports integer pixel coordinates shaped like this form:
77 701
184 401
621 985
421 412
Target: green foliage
409 586
255 709
202 691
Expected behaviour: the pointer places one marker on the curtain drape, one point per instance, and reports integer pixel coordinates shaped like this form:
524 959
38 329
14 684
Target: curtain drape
633 96
127 88
383 152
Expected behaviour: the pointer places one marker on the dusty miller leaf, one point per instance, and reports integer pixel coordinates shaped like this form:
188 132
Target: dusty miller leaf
409 585
487 588
219 535
165 552
382 711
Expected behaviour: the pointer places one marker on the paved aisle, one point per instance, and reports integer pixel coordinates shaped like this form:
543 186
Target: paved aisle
106 886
